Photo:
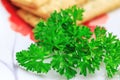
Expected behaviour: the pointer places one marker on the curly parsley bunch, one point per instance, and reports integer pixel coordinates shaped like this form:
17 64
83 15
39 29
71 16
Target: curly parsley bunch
70 47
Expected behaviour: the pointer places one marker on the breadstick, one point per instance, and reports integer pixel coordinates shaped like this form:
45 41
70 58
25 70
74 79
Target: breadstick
31 3
28 17
98 7
45 10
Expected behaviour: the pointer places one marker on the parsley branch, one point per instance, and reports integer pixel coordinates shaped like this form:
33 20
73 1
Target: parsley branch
70 47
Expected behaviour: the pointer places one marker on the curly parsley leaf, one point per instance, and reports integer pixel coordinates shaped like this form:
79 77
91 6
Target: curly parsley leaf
33 59
64 46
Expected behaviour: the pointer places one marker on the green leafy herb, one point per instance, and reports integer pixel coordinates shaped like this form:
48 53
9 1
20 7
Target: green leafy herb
66 47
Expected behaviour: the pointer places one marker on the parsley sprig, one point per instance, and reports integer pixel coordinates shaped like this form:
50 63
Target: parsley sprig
64 46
